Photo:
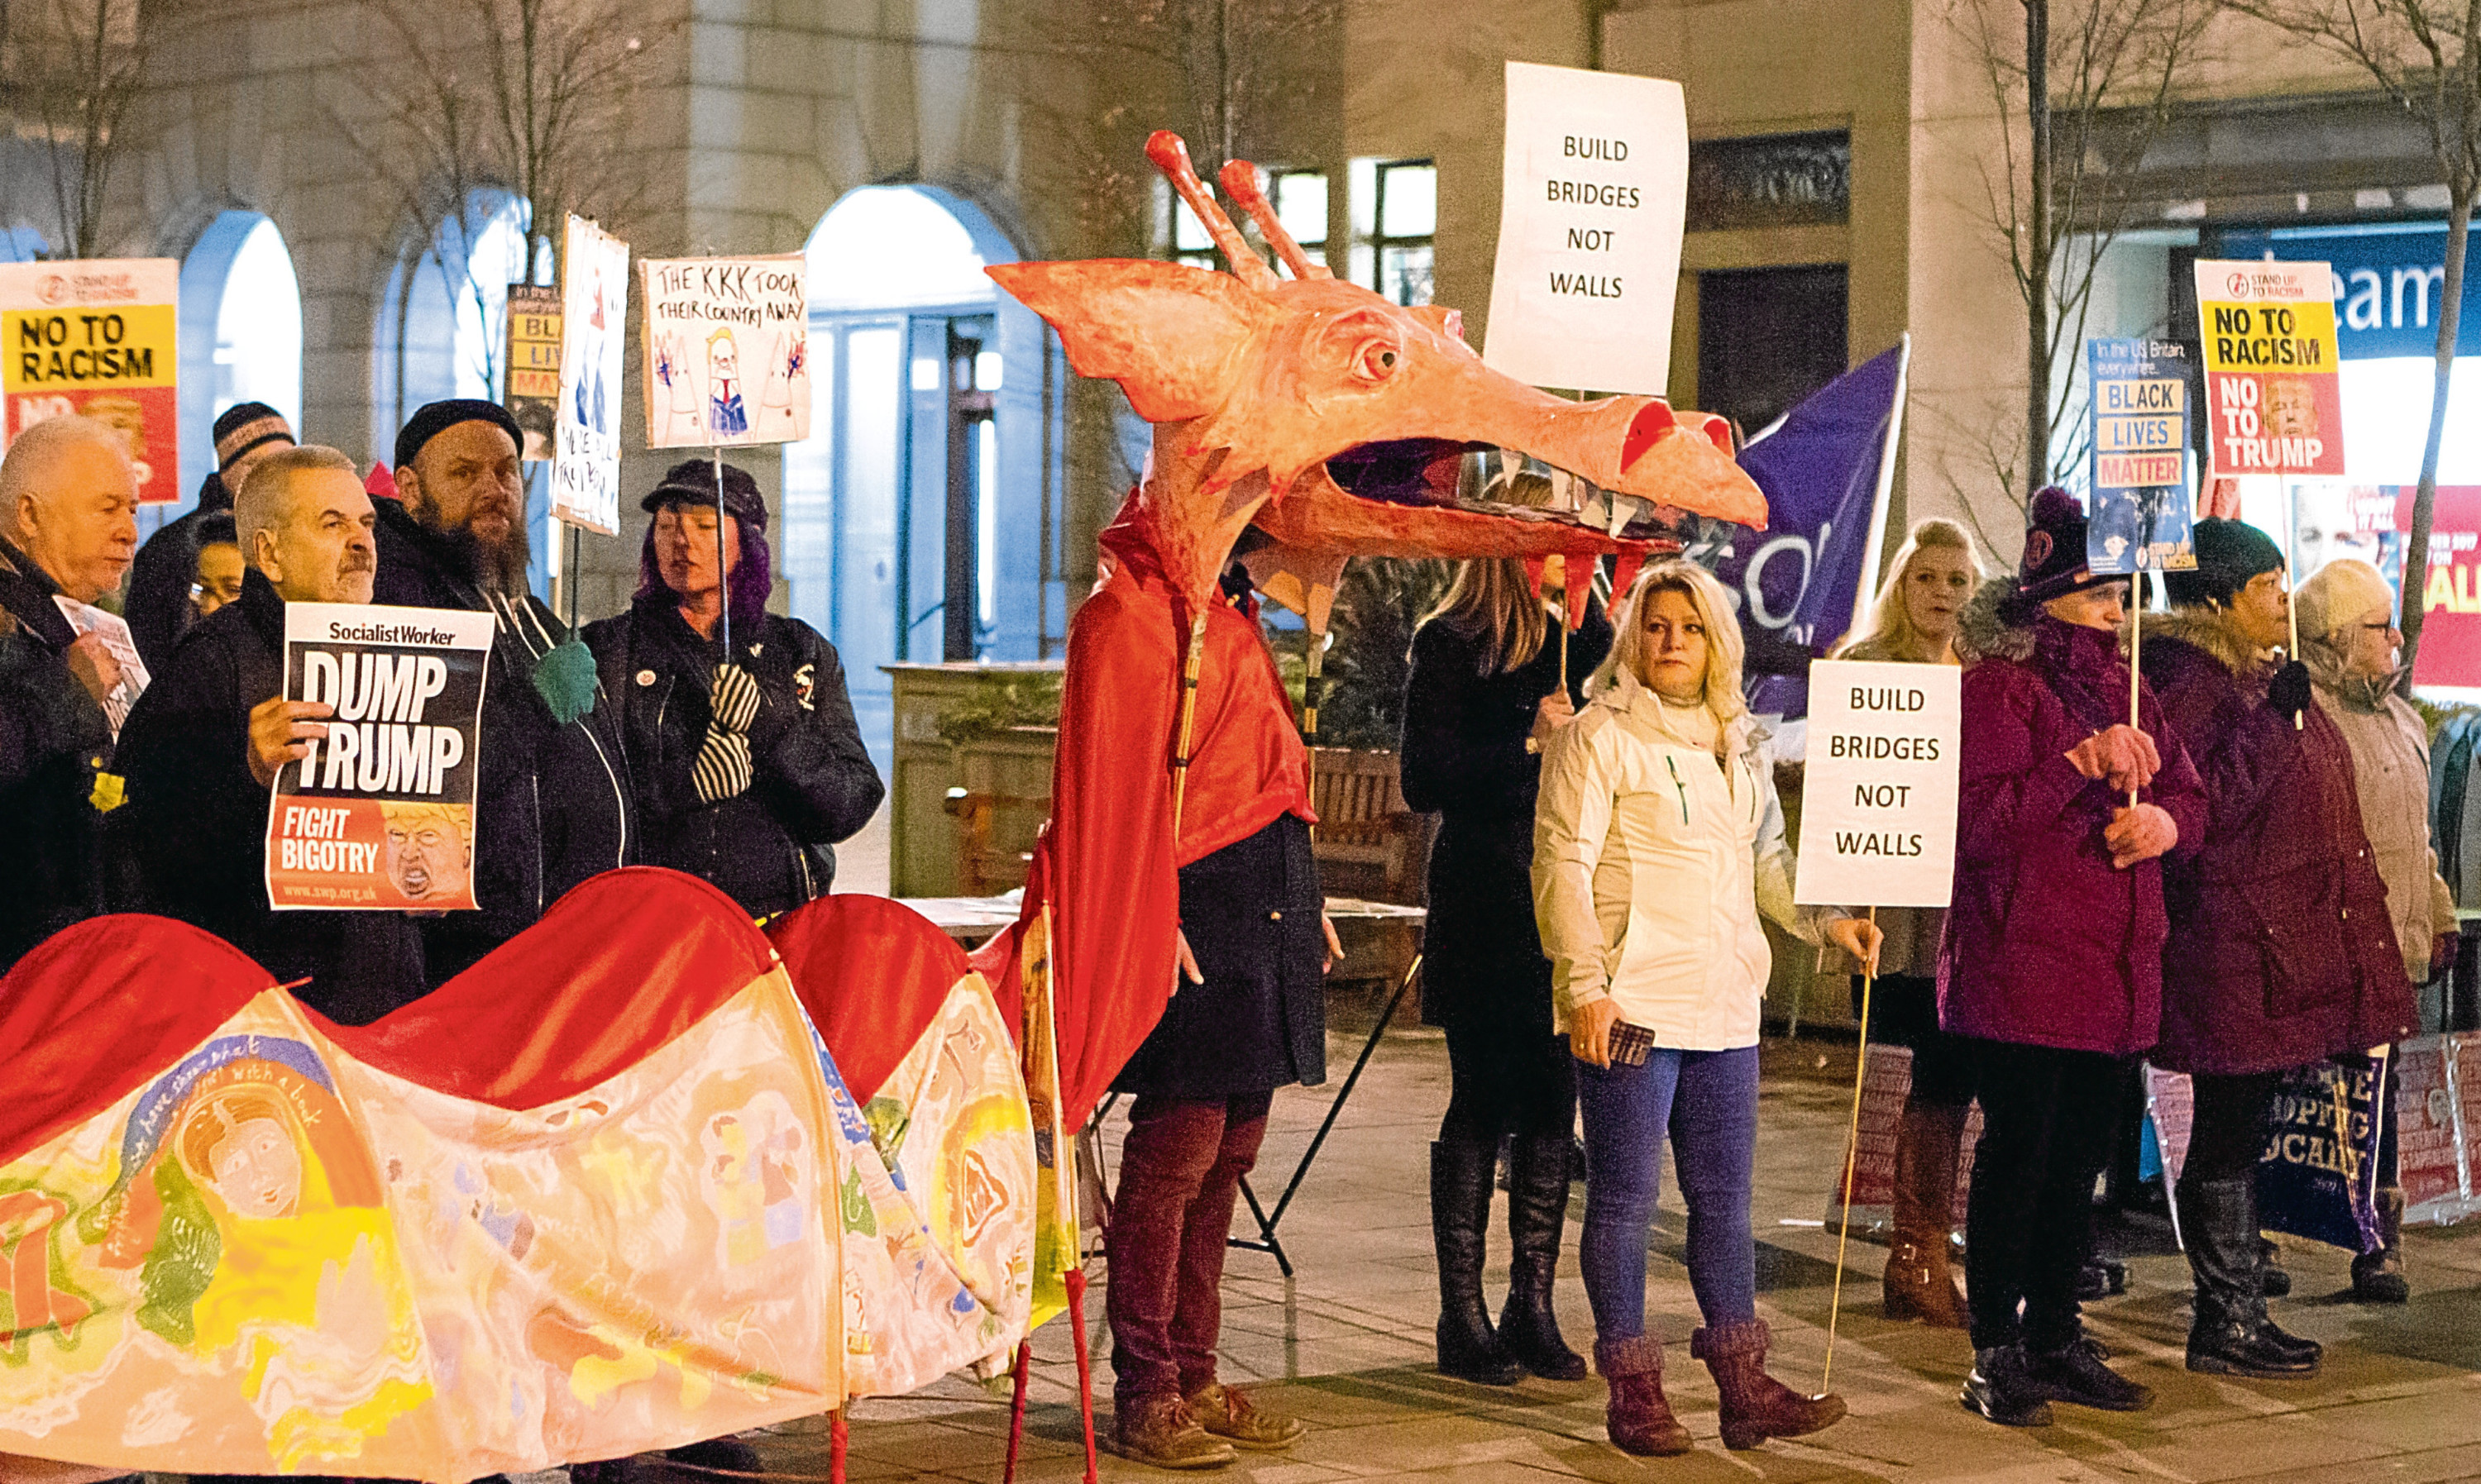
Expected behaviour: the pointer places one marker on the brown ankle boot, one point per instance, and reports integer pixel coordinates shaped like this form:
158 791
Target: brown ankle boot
1919 1281
1639 1414
1755 1406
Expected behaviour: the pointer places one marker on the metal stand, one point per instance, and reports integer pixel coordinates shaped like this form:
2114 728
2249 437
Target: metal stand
1267 1240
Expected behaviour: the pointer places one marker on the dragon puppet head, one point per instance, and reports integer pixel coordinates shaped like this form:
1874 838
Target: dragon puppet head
1336 420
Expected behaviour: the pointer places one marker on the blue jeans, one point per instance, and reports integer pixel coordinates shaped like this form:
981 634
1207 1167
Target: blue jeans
1707 1102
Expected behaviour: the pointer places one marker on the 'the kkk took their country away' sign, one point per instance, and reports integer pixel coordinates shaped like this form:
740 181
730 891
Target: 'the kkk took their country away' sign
2274 393
727 350
2143 518
595 318
1877 818
1593 197
98 336
380 815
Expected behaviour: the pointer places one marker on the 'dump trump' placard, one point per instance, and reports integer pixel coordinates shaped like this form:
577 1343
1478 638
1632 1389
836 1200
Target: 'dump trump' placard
1877 814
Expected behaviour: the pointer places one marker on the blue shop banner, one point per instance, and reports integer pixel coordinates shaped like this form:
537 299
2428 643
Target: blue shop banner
2144 519
2390 283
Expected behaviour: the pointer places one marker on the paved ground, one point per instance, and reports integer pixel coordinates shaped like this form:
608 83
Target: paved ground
1347 1344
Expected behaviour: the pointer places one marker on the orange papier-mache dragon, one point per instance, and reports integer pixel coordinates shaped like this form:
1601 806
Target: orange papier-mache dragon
1335 423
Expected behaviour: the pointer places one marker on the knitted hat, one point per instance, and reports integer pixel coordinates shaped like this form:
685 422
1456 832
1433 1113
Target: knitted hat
693 481
2053 563
431 420
2228 553
246 425
2345 590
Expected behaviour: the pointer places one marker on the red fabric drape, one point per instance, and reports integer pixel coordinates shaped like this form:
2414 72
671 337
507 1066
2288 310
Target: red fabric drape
872 974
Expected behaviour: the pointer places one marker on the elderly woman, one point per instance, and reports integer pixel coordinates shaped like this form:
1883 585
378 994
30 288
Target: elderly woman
1656 842
2349 641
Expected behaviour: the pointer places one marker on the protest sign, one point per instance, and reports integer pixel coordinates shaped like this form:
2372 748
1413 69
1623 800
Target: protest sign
2317 1177
1594 192
727 350
533 351
2429 1159
98 336
112 631
1886 1086
379 815
1878 818
595 309
2274 397
2143 519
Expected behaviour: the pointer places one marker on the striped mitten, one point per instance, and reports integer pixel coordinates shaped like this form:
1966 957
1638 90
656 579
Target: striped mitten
723 768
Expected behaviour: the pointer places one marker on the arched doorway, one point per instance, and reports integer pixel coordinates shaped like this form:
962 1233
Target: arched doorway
919 517
241 333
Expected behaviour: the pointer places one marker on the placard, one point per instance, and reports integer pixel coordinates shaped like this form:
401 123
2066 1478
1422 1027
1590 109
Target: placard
2143 518
98 336
1877 816
594 315
533 352
2274 393
379 815
1594 192
727 350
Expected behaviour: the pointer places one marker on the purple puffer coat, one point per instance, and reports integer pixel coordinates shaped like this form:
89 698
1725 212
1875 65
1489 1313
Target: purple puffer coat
2281 953
2048 944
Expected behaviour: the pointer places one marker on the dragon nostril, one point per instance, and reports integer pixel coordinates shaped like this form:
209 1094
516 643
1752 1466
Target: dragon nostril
1647 429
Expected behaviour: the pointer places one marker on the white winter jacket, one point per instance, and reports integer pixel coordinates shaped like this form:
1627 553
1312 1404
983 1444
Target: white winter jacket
1652 859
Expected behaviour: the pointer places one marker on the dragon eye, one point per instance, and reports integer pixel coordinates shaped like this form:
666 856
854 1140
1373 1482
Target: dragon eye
1375 361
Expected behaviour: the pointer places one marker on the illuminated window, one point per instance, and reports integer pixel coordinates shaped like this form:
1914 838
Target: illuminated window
1395 227
1301 202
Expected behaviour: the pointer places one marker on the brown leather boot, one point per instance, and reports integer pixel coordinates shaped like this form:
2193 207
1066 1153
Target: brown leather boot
1162 1431
1755 1406
1639 1414
1921 1282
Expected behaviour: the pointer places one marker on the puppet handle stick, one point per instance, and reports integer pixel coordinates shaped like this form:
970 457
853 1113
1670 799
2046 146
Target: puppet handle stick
2136 676
1016 1408
1188 673
1851 1162
1310 684
1074 1279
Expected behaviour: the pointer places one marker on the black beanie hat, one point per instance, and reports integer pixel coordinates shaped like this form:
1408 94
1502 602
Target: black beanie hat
246 425
693 481
2228 553
438 417
2054 564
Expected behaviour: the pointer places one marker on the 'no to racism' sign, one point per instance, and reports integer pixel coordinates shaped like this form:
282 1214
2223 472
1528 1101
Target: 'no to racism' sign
1877 814
2274 392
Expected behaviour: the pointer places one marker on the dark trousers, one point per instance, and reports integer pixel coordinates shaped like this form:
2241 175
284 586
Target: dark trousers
1903 1011
2047 1120
1180 1177
1500 1082
2228 1132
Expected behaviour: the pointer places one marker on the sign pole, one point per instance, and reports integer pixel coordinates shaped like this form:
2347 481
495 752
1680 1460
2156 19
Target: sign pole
2136 676
1851 1163
722 583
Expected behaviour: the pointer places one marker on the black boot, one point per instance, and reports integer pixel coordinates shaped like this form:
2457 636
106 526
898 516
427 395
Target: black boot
2002 1388
2229 1334
1537 1209
2377 1277
1460 1181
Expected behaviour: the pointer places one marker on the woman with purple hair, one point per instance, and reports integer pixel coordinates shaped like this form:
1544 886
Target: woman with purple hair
747 765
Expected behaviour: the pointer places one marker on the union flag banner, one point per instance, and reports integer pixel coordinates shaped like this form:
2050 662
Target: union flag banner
98 336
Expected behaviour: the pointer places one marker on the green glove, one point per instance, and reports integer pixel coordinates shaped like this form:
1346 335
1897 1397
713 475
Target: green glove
565 679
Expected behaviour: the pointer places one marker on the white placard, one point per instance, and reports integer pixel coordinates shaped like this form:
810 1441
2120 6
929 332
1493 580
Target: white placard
586 438
727 350
1594 192
1877 810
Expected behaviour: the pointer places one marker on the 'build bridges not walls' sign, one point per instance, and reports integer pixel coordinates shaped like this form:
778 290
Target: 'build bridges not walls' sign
1877 816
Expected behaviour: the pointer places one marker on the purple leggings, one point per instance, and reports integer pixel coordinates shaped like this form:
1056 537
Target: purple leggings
1707 1101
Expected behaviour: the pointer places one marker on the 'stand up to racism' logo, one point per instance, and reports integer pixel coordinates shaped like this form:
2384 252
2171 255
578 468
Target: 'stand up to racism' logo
2239 284
53 289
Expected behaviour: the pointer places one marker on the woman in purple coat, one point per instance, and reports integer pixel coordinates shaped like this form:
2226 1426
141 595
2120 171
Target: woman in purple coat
2285 953
2053 957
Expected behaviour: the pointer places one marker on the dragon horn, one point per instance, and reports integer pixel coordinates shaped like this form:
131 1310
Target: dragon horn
1239 180
1170 155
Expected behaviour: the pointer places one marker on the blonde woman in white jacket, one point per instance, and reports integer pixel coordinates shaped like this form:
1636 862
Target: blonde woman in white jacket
1657 841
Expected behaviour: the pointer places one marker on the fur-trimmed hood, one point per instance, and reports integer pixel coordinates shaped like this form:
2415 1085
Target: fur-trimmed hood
2212 629
1985 631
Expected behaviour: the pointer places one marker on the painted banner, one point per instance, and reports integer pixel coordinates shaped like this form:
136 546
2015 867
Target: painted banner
379 815
533 359
98 336
2428 1159
595 317
1886 1084
2143 518
2274 392
1594 193
1877 818
727 350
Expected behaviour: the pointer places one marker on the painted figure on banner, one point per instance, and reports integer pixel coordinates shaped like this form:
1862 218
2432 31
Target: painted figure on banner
727 416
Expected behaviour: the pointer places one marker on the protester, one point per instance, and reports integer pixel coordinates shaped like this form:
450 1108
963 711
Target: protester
165 581
2052 961
1914 622
1658 840
2284 954
746 773
1488 686
68 503
203 749
219 576
2349 641
554 805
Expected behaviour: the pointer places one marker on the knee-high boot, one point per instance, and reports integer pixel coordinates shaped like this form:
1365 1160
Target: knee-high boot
1460 1185
1537 1212
1919 1281
2228 1332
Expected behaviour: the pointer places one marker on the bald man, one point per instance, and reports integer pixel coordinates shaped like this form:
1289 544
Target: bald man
204 747
68 526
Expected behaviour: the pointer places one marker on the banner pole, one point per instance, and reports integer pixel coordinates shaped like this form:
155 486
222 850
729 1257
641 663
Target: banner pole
2378 1120
1851 1161
2291 548
723 581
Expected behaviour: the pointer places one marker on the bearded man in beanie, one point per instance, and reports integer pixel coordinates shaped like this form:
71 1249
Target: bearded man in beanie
167 570
2283 954
553 802
2052 961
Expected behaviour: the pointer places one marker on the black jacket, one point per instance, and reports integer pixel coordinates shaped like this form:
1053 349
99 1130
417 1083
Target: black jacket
158 607
553 806
1464 757
769 847
195 823
54 741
